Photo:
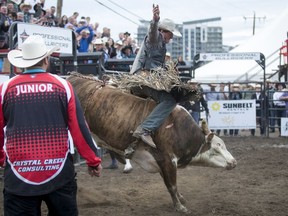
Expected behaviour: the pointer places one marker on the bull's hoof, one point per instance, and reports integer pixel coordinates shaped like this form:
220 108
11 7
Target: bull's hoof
181 208
127 170
128 153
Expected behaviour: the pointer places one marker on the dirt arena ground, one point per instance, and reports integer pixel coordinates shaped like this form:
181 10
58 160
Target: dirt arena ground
258 186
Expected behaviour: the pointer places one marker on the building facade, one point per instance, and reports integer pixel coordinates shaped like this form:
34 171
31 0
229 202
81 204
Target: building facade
197 37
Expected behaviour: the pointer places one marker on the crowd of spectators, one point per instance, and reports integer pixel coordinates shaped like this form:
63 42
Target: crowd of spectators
90 37
274 100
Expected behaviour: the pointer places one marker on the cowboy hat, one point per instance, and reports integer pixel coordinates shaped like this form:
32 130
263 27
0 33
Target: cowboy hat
98 41
169 25
33 50
192 81
258 86
25 4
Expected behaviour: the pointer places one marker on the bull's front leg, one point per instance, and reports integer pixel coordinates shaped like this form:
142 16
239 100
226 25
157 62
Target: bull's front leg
168 172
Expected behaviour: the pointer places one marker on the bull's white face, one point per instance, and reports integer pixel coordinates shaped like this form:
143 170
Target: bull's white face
216 156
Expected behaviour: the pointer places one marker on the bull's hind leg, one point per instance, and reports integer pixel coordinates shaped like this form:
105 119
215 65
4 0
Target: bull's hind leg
169 174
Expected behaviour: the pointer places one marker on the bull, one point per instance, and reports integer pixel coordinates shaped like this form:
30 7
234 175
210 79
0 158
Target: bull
112 115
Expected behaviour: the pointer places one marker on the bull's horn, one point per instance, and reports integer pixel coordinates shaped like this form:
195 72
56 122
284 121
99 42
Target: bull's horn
204 127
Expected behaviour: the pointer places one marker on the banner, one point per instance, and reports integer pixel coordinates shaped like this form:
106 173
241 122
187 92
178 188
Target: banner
232 114
284 126
229 56
53 36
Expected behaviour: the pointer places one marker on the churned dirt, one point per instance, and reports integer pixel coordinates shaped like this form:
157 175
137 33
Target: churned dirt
258 186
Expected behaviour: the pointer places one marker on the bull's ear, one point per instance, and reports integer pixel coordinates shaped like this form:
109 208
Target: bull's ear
204 127
210 137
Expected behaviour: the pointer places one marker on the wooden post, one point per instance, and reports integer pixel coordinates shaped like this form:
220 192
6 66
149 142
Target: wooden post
59 8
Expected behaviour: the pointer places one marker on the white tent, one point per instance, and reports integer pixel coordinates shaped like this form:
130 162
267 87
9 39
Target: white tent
267 42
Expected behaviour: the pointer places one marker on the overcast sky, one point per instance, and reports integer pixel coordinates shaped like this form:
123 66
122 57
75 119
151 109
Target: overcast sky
235 28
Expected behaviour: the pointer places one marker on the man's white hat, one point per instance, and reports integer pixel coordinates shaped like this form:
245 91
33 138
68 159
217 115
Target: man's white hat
169 25
32 51
25 3
119 42
193 81
98 41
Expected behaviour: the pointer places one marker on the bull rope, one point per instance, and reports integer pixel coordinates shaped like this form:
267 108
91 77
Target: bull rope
101 84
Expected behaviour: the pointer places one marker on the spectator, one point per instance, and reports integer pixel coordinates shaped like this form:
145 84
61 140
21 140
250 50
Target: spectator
25 7
11 7
39 166
235 94
195 108
5 21
121 36
99 47
110 45
38 7
127 52
284 97
106 32
259 97
222 95
82 22
114 163
75 15
168 58
181 62
3 42
71 23
88 20
118 46
212 95
48 19
279 104
20 17
12 16
126 35
84 38
53 16
270 91
63 21
249 91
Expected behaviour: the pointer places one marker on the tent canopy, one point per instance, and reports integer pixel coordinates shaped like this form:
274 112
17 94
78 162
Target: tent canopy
268 42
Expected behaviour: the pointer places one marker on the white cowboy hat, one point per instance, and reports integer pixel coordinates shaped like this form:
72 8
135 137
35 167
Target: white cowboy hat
32 51
98 41
193 81
169 25
25 4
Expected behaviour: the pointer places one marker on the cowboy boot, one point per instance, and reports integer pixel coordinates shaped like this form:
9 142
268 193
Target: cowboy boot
144 135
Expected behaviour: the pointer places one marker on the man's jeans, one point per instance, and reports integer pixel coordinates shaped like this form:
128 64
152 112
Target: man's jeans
166 104
196 116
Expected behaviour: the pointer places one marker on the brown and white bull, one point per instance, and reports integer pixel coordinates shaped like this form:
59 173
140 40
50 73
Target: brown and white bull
112 115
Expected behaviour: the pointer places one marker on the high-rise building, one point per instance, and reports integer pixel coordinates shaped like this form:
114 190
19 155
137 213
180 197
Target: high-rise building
201 36
197 37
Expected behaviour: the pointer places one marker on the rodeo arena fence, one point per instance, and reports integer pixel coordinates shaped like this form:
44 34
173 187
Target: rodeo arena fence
242 114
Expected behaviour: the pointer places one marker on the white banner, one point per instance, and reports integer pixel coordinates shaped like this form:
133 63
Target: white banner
284 126
229 56
232 114
53 36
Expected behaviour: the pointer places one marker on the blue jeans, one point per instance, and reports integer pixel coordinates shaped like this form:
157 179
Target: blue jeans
166 104
196 116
